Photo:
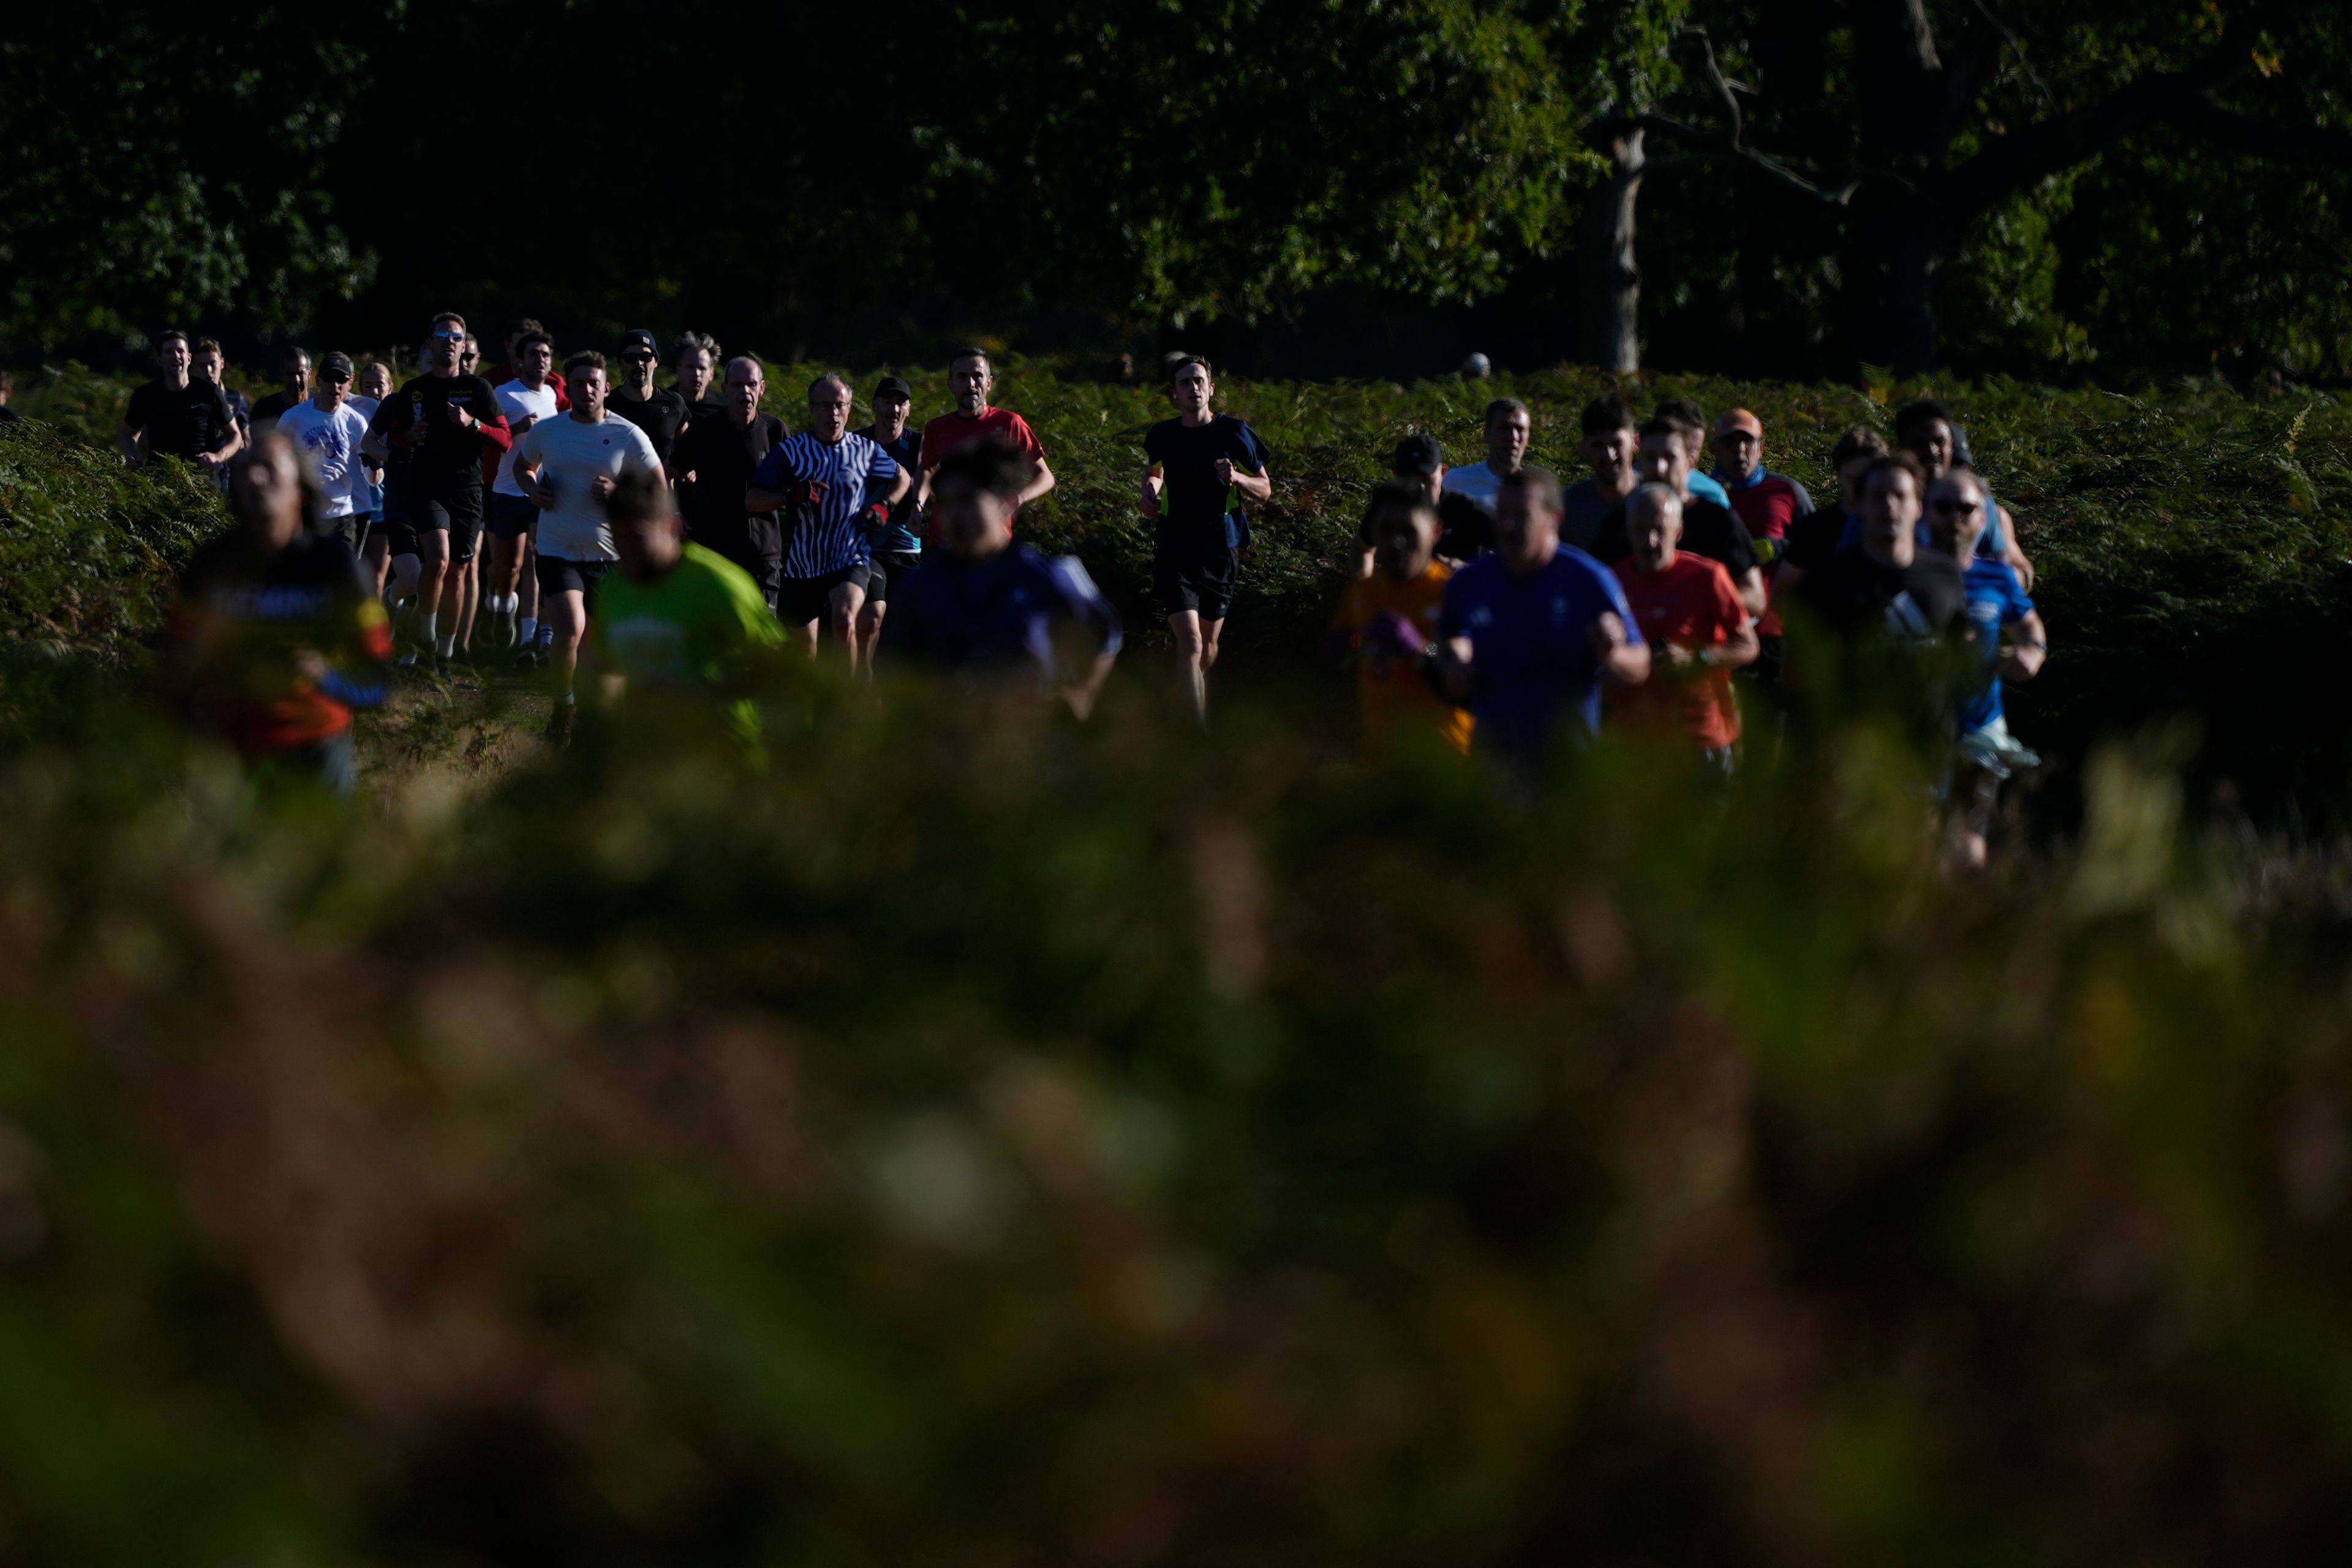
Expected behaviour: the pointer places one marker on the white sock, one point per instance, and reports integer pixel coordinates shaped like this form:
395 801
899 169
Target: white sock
427 628
447 645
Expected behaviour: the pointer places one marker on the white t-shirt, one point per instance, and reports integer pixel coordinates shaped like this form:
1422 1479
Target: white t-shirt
571 453
518 403
333 437
1478 481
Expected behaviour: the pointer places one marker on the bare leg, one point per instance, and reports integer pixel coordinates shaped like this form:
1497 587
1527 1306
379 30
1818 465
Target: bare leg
869 630
846 600
568 613
1190 651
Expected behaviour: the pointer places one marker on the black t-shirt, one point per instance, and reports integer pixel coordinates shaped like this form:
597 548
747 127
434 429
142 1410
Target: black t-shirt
275 406
1583 508
181 421
8 415
906 451
660 417
1195 510
721 456
451 455
1853 594
1813 538
1464 529
1708 529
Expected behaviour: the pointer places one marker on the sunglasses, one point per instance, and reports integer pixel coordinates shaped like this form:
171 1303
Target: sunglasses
639 357
454 337
338 375
1957 508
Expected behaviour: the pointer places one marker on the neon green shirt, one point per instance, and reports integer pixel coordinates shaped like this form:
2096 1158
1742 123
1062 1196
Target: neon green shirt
702 623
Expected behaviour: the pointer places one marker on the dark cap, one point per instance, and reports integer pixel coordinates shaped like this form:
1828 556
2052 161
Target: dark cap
892 386
335 363
641 339
1418 453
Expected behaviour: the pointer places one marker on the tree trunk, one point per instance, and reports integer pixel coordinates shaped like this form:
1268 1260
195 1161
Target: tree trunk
1618 313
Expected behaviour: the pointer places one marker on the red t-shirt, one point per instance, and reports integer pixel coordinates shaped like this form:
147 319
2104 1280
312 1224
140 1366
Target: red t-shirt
1692 604
949 431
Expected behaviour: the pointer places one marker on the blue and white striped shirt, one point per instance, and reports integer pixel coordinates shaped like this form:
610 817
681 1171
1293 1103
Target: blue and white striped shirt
827 484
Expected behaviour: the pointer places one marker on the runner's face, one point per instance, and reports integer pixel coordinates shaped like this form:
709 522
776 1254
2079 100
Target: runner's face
1955 515
1655 529
1890 515
1738 451
375 382
469 356
1404 540
1525 531
535 362
587 390
297 371
1662 461
207 367
173 357
647 546
443 349
1191 391
1933 444
890 417
970 378
269 493
745 387
1506 440
637 367
972 523
337 386
1850 482
694 373
829 411
1608 452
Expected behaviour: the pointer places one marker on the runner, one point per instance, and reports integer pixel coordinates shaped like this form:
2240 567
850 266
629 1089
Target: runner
177 416
211 364
1707 529
697 354
1767 502
683 630
971 377
1926 429
510 368
1610 437
1465 525
526 400
294 372
983 604
1886 586
469 356
1509 425
375 548
895 545
435 429
327 430
567 467
1204 465
275 638
824 474
1690 421
658 411
1386 625
716 459
1531 631
1697 629
1821 533
2009 638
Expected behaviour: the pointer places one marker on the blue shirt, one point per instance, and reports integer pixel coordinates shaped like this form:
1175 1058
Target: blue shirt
998 614
827 486
1706 487
1531 658
1995 600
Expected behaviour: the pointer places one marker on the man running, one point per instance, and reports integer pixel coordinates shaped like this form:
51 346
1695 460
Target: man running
1697 629
510 368
375 547
683 630
1386 625
526 400
1823 533
568 467
716 459
1926 429
1465 528
658 411
2009 640
1204 466
1886 586
971 377
1708 529
328 431
1609 438
437 428
1509 427
1690 421
825 474
274 637
697 357
211 363
1530 632
294 376
178 415
983 604
1767 502
895 544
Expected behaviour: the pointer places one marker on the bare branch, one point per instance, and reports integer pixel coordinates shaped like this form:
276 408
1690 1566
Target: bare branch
2017 47
1704 147
1714 79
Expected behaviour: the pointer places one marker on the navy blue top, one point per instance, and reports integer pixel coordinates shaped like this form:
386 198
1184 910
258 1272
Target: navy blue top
997 614
1531 655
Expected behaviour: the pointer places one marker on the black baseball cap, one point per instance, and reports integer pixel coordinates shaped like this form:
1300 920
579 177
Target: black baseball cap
336 365
892 386
641 339
1418 453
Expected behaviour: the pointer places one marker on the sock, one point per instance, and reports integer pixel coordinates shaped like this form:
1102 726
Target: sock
529 627
427 628
447 645
567 699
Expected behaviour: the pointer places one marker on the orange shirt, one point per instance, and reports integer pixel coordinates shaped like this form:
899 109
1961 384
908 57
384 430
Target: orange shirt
1391 694
1692 604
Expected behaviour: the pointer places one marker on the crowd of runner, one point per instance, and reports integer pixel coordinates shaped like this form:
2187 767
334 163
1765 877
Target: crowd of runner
684 537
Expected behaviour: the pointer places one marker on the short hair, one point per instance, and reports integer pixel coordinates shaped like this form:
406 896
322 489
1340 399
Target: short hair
990 466
1182 362
1900 462
585 359
836 377
1859 441
687 342
207 346
759 371
969 352
167 337
306 472
1912 416
1505 405
1682 413
533 336
1605 414
1661 424
523 326
1411 494
638 496
1541 487
1655 491
294 352
1959 472
452 317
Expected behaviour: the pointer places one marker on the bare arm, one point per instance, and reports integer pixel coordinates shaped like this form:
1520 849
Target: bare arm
2013 553
1741 647
1623 660
906 481
1152 484
1041 482
132 444
2022 657
1752 590
1256 487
